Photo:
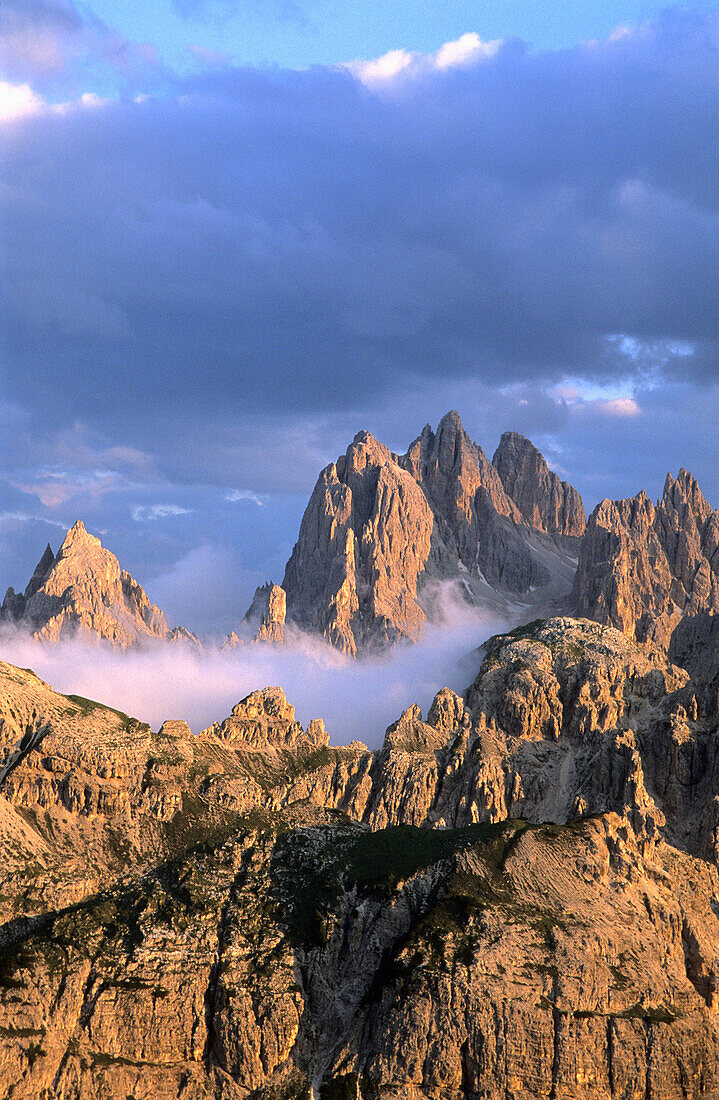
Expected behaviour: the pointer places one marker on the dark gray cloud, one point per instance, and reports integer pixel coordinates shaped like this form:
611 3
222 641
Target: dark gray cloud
214 285
261 237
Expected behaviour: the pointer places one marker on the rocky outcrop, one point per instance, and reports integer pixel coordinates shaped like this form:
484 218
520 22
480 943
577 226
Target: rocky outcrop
82 592
265 720
514 897
264 620
546 502
382 531
644 569
267 613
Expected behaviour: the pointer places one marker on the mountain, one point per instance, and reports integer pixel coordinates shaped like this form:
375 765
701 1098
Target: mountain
516 896
648 569
82 592
383 532
546 503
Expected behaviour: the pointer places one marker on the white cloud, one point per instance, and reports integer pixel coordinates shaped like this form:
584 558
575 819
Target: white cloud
619 406
146 513
356 698
469 47
24 517
18 101
465 50
244 494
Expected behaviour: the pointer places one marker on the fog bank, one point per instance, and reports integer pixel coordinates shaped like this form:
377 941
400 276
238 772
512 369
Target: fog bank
357 699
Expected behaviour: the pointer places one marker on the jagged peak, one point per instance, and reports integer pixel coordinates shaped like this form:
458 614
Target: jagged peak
684 490
41 571
515 437
78 535
450 421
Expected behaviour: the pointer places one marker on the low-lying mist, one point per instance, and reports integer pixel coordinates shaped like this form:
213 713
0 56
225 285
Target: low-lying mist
357 699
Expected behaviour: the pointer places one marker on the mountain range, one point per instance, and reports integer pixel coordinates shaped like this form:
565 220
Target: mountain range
386 538
515 897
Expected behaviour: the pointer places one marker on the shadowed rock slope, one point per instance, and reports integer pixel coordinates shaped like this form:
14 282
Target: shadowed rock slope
383 532
82 592
515 897
545 501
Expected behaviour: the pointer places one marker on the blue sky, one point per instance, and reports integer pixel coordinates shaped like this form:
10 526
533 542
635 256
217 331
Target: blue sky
316 32
233 235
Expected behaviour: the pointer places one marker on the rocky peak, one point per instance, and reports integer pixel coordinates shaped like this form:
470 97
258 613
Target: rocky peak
546 502
267 612
380 529
83 591
363 542
77 536
451 469
41 571
644 568
265 720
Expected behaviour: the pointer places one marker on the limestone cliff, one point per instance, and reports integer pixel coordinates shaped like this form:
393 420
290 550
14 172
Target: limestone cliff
545 501
645 569
515 897
82 592
382 530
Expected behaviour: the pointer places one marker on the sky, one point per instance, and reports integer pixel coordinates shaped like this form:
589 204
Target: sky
234 234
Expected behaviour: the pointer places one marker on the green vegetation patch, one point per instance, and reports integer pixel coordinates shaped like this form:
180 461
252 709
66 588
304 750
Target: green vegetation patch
87 706
312 869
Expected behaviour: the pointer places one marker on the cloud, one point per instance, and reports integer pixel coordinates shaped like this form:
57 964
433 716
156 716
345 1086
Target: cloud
254 264
55 45
209 57
148 513
206 589
468 49
356 699
619 406
244 494
223 10
17 101
269 240
22 517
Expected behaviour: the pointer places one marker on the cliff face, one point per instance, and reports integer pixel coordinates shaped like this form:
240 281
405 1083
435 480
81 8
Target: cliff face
545 501
83 592
381 529
645 569
514 897
364 541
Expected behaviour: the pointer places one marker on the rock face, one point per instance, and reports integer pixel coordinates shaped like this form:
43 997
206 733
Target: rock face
382 531
545 501
645 569
364 541
517 897
264 620
83 592
267 613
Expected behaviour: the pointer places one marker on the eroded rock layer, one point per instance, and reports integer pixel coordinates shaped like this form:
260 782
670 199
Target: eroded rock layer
514 897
